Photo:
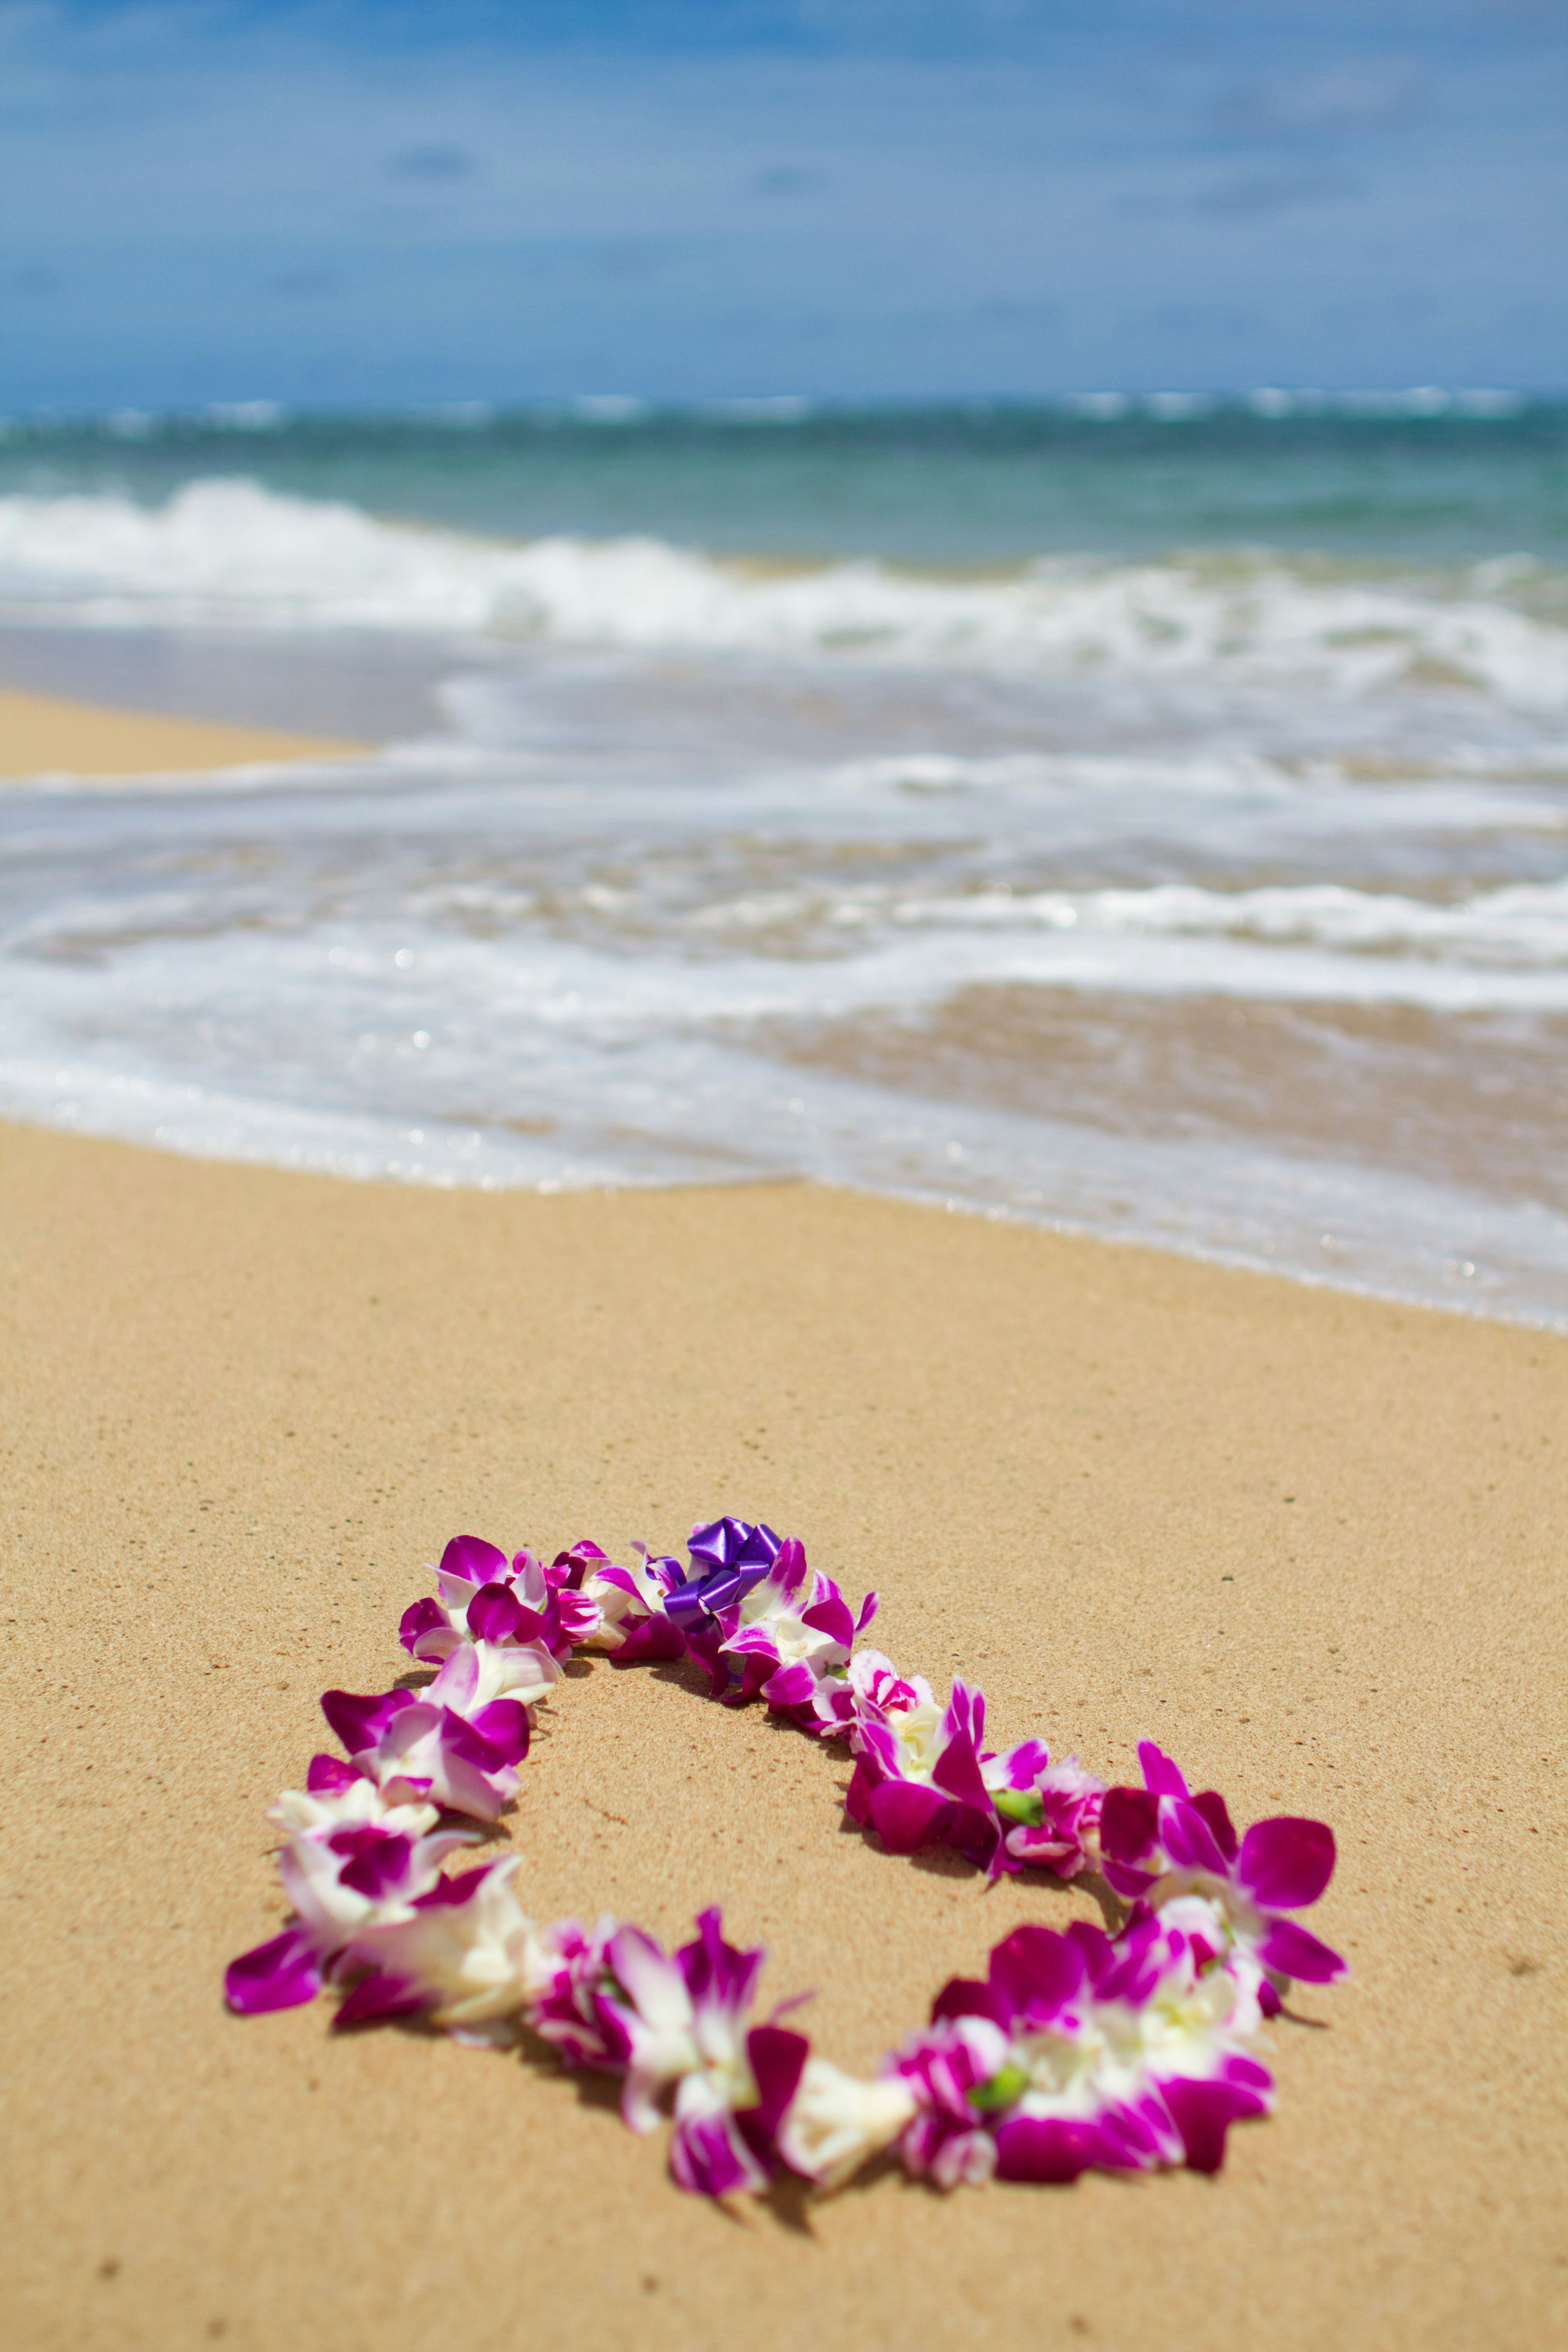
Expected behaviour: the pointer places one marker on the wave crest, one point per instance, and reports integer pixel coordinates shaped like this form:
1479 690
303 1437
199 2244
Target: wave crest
229 551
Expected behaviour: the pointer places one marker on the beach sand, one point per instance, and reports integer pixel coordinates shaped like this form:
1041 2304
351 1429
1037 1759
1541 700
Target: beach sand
1312 1543
45 734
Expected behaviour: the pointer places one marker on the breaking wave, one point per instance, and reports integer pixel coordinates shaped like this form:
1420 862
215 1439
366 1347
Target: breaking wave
228 551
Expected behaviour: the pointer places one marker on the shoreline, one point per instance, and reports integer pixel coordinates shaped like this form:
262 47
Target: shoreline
952 1206
62 741
1309 1540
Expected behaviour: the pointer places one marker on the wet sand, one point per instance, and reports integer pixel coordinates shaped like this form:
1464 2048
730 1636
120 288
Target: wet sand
43 734
1313 1543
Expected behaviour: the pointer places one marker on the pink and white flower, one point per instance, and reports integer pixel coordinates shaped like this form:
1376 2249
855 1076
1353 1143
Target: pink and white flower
457 1744
1159 1843
679 2020
632 1626
647 2011
918 1780
572 1976
1052 1810
486 1598
354 1879
869 1678
336 1797
340 1881
787 1634
465 1953
948 2071
1078 2051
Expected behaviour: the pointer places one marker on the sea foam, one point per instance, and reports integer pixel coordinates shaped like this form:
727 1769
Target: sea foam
1217 900
231 551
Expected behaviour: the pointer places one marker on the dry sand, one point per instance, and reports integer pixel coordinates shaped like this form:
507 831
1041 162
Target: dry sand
1315 1544
41 734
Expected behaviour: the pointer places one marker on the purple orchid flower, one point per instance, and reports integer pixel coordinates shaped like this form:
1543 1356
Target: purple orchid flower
1077 2051
577 1611
724 2140
465 1953
336 1797
338 1883
564 2010
633 1627
1193 2008
872 1678
454 1744
790 1631
1016 1809
1159 1843
686 2026
1053 1810
485 1596
917 1778
679 2020
947 2071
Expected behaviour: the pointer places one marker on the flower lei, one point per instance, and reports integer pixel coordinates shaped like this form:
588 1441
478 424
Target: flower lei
1127 2051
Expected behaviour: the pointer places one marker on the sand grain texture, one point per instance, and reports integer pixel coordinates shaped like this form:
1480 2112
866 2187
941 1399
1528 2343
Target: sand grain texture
1312 1543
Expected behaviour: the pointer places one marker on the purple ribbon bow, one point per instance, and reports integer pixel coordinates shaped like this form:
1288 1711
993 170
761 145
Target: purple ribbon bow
728 1556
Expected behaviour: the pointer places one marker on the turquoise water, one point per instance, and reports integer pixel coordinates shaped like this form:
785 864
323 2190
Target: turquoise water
1432 478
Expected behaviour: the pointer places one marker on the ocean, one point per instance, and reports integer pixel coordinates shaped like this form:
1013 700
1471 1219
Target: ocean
1147 817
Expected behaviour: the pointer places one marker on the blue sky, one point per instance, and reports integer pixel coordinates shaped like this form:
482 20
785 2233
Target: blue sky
334 202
